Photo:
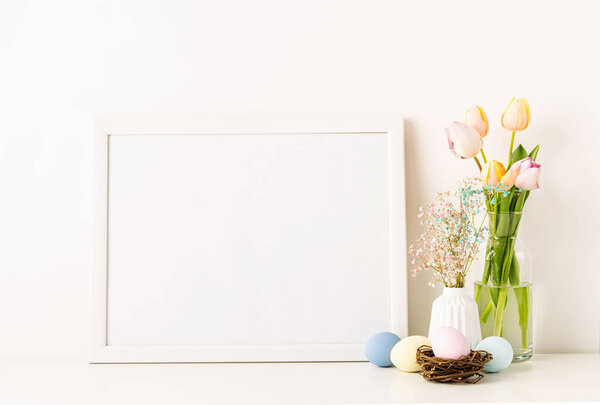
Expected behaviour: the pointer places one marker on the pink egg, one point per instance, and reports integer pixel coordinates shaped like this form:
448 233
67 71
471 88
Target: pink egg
449 343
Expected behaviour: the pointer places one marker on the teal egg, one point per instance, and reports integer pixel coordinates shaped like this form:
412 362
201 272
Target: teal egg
501 351
379 347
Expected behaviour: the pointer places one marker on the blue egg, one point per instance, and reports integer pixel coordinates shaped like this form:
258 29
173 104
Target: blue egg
378 348
501 351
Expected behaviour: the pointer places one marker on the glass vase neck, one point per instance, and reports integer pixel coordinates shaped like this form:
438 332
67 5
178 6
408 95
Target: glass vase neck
504 224
505 213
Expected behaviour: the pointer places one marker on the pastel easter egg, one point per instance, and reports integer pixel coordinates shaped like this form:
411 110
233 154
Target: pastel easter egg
378 348
404 353
501 351
449 343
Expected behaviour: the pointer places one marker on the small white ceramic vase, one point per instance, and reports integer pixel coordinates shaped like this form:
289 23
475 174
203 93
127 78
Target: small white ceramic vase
457 309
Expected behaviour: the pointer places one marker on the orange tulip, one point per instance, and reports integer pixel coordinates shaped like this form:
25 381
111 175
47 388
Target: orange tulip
509 177
475 117
517 115
492 172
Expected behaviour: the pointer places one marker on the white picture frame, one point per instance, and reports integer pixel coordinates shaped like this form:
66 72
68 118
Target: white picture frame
103 350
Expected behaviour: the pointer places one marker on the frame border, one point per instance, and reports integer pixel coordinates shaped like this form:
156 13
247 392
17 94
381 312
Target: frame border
100 352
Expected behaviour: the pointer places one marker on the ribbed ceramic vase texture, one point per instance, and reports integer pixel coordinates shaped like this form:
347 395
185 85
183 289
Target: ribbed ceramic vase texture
456 308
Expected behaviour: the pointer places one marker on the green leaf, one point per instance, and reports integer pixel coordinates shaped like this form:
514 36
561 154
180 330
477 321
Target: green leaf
518 154
534 152
505 202
514 276
521 200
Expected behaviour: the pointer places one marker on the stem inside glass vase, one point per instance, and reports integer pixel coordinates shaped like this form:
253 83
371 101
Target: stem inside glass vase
505 293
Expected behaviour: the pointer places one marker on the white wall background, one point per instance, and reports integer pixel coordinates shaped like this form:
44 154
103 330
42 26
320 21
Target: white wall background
63 63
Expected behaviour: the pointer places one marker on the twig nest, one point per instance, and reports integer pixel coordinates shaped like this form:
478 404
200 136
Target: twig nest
465 369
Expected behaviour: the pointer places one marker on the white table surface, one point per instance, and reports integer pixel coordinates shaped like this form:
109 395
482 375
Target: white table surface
547 378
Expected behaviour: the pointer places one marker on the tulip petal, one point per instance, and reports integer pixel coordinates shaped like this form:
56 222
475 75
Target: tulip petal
529 179
476 118
509 177
492 173
465 140
527 112
516 115
485 173
450 143
524 164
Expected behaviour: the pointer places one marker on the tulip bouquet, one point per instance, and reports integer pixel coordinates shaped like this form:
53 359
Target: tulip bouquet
506 189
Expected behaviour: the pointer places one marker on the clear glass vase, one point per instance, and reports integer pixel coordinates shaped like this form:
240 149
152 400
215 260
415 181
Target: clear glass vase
503 294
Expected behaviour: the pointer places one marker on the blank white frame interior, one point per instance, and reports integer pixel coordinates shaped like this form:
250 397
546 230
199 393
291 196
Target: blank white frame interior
247 240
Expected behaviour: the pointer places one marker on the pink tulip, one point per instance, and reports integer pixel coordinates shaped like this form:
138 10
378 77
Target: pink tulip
529 174
476 118
524 174
464 141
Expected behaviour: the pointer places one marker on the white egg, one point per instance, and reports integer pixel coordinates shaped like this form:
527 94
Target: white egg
404 353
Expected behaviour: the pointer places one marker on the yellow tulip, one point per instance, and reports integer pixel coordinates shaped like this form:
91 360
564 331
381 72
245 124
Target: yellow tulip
475 117
492 172
517 115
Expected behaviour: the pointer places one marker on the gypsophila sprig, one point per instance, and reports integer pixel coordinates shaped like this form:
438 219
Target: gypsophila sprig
451 239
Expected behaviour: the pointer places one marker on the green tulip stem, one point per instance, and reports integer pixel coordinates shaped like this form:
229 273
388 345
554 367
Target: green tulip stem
483 156
512 141
486 312
477 161
502 296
